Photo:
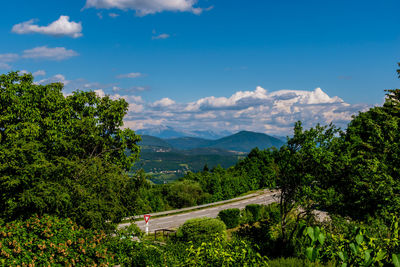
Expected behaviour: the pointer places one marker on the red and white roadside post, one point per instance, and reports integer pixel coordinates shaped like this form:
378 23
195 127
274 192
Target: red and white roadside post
146 219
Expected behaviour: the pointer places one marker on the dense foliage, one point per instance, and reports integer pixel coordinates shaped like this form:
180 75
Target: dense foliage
257 170
48 240
62 155
231 217
200 230
354 173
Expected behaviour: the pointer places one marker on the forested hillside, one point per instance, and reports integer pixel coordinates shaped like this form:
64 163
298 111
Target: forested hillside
167 160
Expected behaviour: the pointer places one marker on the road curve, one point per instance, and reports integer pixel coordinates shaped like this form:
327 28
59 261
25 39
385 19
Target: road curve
174 221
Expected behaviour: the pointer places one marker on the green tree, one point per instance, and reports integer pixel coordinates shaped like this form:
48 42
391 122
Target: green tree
372 145
62 155
308 165
185 193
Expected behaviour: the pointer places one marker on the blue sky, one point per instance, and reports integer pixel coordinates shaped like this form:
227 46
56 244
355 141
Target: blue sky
196 64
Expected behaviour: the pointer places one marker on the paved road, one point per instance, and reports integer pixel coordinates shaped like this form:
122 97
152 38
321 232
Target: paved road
174 221
196 207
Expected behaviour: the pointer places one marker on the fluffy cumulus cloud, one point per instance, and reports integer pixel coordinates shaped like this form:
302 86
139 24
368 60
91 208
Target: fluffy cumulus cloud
258 110
44 52
145 7
61 27
164 102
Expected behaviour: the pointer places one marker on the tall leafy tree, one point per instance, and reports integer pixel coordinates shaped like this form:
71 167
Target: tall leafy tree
372 145
308 167
62 155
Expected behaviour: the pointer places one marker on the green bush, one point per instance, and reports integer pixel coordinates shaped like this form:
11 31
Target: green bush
145 254
122 245
230 217
48 240
271 212
200 230
217 253
255 212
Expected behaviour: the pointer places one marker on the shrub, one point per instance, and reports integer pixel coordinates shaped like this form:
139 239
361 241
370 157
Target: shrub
217 253
230 217
48 240
185 193
271 212
255 211
145 254
121 243
200 230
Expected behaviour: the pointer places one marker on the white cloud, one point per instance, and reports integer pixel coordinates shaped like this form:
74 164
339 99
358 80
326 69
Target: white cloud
164 102
35 74
258 110
160 36
10 57
135 107
130 75
100 93
5 59
44 52
4 66
39 73
60 27
132 89
145 7
58 78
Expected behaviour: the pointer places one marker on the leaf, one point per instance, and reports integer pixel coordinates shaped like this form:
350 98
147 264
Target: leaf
309 253
367 258
341 255
380 255
396 260
315 254
359 239
321 238
316 232
353 248
310 232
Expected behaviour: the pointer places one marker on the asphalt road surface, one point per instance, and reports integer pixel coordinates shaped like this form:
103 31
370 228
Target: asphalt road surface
174 221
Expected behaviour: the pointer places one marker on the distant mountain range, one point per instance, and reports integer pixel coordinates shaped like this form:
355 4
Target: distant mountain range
169 132
243 141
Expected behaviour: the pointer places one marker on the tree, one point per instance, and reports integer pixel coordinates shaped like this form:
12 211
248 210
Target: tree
372 144
354 173
62 155
307 166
